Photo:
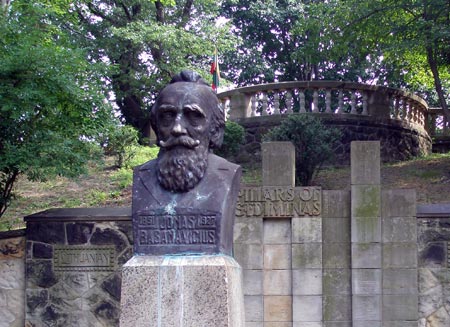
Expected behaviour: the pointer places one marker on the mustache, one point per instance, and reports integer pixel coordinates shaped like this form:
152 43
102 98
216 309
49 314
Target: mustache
181 140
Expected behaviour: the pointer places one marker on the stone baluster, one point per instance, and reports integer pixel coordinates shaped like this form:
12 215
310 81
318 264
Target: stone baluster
264 104
396 108
276 103
340 102
353 102
328 101
289 102
254 103
404 109
410 112
225 103
315 107
365 104
302 101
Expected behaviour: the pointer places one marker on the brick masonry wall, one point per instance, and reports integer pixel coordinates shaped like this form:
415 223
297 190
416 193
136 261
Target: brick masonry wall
12 278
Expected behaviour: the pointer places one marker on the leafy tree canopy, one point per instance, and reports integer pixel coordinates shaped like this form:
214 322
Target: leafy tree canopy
51 105
147 42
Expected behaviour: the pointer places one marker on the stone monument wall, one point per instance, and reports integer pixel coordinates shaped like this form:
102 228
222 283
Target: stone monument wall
310 257
73 266
434 265
12 278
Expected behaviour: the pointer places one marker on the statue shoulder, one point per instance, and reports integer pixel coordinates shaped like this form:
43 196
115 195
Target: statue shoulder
149 165
220 164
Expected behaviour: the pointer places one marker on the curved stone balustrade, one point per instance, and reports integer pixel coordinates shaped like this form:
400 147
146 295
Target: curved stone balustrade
324 97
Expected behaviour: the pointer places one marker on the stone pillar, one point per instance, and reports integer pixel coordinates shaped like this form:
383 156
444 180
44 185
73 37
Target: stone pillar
278 164
384 246
400 267
180 291
337 298
366 247
240 105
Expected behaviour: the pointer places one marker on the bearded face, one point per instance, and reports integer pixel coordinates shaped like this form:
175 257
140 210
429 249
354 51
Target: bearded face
180 168
183 121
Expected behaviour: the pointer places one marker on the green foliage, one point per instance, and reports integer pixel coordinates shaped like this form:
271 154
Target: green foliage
121 143
123 177
146 43
313 143
51 103
232 139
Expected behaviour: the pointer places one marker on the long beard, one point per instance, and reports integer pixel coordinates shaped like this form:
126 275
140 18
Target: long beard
180 169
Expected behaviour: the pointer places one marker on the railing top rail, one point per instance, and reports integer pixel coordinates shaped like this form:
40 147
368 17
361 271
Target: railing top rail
323 84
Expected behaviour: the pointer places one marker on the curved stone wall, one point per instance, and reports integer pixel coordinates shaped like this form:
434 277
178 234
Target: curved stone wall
399 140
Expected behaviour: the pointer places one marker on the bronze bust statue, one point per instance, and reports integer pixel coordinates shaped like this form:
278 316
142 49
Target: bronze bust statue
183 202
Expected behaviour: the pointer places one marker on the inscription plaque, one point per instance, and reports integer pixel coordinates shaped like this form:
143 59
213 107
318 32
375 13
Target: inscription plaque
279 202
84 258
185 229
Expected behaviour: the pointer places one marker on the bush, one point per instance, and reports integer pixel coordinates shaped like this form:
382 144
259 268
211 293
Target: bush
121 143
232 139
313 143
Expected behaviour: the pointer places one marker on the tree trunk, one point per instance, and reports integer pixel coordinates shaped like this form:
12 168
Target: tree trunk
438 85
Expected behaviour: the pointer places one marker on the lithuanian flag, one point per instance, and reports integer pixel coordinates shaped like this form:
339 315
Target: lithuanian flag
215 71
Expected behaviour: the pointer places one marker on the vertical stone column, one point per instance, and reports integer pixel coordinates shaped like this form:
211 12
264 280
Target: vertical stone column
366 247
400 267
337 298
278 161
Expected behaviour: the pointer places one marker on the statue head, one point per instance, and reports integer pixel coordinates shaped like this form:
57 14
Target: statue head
188 121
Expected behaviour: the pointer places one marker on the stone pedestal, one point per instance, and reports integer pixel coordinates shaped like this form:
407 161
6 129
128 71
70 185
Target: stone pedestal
188 291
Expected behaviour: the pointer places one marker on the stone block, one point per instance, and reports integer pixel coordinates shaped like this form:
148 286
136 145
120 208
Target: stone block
336 255
335 204
277 256
400 281
365 162
249 256
278 324
248 230
306 230
366 255
46 232
12 274
307 281
366 201
277 282
366 229
400 255
184 290
366 307
366 281
337 308
335 230
12 248
307 324
254 324
277 231
366 323
78 233
399 323
433 255
253 308
278 163
400 229
337 324
253 282
277 308
306 255
400 307
336 282
307 308
399 203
